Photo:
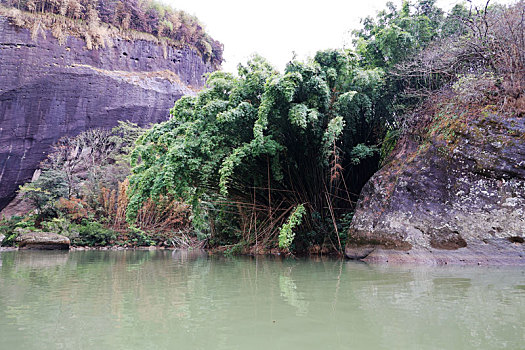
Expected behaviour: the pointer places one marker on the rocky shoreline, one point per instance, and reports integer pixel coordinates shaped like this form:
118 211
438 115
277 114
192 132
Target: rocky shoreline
468 256
452 193
84 248
495 253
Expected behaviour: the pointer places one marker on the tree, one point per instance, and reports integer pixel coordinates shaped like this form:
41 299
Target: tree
45 191
263 143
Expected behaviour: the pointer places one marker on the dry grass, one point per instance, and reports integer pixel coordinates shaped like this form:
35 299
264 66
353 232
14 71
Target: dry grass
95 35
163 216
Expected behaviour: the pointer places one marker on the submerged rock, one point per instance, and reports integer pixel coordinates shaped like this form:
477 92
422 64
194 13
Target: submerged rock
453 192
42 240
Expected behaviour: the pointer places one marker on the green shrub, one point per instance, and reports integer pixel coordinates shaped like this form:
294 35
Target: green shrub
262 142
476 88
93 234
62 226
139 238
10 228
45 191
389 143
235 249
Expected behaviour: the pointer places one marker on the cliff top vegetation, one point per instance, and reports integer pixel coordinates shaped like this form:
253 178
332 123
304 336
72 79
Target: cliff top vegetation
96 20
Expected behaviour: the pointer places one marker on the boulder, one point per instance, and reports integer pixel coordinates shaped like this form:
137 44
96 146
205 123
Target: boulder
452 192
42 240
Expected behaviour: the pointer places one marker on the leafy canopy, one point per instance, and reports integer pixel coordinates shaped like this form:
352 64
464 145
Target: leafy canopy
251 148
275 140
395 34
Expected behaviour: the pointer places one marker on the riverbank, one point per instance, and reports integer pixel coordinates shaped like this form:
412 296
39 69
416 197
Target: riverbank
414 257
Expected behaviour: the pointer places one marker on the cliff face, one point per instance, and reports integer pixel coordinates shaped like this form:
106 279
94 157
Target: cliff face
453 192
48 91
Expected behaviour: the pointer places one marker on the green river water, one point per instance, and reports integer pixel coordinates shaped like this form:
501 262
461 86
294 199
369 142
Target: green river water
186 300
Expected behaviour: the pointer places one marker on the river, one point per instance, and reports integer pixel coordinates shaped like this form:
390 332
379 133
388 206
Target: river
187 300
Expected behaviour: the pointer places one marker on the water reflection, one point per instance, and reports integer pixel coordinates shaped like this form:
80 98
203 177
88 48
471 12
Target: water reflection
183 255
185 299
41 259
291 295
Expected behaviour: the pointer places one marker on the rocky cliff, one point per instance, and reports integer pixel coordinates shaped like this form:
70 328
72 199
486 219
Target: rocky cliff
453 192
48 91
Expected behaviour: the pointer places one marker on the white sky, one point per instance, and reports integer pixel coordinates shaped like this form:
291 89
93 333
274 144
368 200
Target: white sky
277 28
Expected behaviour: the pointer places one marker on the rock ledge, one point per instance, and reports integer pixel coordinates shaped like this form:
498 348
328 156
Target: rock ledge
43 240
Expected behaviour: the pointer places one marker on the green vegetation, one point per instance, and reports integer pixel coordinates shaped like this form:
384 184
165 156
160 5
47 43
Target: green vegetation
249 149
10 229
276 161
82 193
47 189
90 19
263 143
397 34
92 234
392 40
286 234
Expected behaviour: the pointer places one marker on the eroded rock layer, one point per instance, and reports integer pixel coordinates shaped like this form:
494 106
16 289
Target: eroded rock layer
48 91
453 192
